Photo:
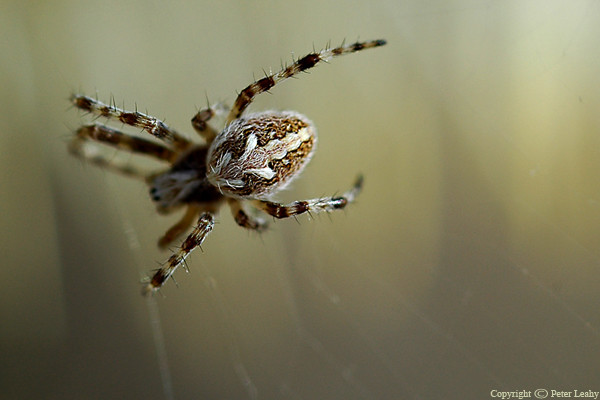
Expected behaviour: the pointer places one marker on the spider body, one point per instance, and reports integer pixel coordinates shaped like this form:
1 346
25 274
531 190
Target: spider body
251 159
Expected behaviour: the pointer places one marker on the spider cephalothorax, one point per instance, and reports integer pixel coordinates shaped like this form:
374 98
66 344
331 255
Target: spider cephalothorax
252 158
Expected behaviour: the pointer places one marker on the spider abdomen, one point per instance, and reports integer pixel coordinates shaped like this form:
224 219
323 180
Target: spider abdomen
260 153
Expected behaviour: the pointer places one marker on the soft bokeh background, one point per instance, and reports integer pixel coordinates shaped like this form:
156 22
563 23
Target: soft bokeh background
470 262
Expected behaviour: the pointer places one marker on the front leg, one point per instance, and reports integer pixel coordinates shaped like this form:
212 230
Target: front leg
247 95
333 203
153 126
194 240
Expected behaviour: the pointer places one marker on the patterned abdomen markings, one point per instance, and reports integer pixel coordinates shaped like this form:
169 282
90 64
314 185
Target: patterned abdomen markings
261 153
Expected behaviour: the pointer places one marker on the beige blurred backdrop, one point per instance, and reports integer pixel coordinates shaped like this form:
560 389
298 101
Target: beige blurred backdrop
470 262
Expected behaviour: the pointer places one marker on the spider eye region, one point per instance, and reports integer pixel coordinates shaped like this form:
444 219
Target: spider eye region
259 154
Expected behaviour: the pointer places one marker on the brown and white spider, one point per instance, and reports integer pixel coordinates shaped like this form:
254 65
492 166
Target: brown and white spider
252 158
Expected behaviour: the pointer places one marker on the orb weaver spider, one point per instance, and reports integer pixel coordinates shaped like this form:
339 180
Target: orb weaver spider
252 158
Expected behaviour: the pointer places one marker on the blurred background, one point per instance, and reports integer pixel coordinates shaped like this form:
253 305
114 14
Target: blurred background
470 262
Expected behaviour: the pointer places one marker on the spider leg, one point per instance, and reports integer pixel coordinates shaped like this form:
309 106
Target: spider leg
278 210
181 226
93 156
200 121
153 126
186 221
242 218
100 133
262 85
203 228
104 134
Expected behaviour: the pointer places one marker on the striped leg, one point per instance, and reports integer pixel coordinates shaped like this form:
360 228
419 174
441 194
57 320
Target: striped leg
262 85
181 226
194 240
113 137
146 122
93 156
103 134
191 213
310 206
242 218
200 120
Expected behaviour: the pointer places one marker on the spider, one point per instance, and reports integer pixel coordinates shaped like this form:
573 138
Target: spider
254 156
